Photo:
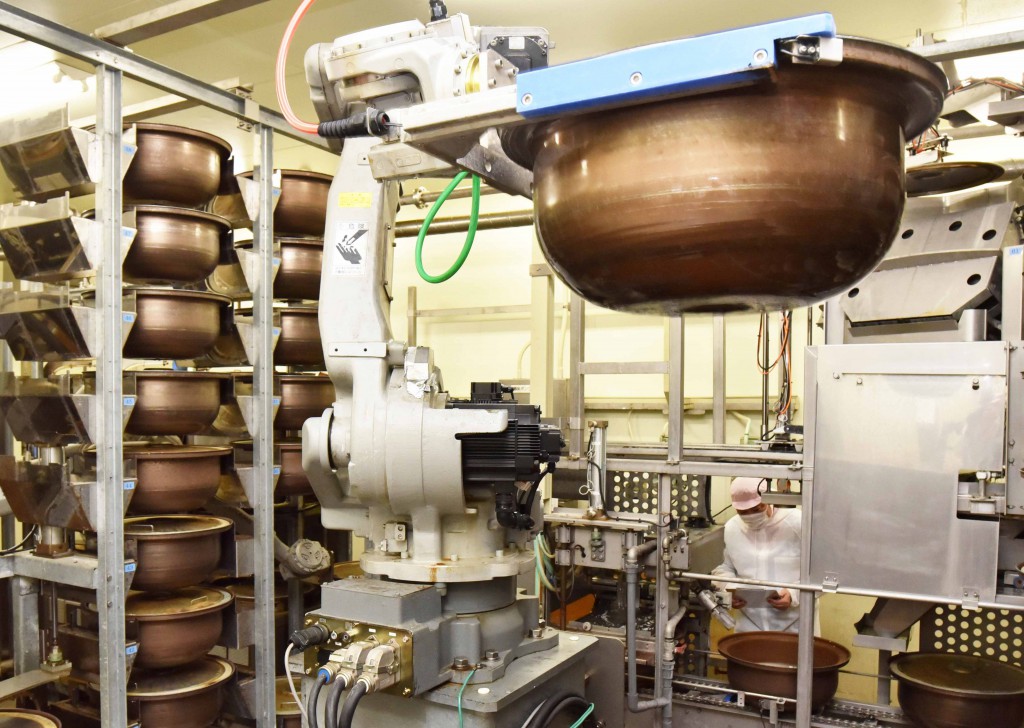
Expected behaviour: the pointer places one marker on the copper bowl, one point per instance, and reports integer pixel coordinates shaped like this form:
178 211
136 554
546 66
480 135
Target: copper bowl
188 697
939 690
299 342
15 718
302 396
175 551
292 480
302 207
176 628
174 403
288 713
298 278
766 663
175 165
173 324
769 196
172 478
174 244
943 177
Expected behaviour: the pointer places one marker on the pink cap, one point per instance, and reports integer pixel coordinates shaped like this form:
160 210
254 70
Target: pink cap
745 493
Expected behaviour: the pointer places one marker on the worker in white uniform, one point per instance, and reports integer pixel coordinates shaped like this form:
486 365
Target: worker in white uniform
762 542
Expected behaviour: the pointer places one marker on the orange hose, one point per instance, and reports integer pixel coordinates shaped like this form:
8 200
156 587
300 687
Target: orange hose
280 85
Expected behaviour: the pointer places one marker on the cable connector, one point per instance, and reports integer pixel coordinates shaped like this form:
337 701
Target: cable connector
303 639
372 122
381 669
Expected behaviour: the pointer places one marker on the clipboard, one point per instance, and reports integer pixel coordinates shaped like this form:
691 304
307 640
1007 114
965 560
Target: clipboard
755 597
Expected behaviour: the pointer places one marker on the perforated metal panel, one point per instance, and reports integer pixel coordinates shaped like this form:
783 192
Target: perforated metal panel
637 492
994 633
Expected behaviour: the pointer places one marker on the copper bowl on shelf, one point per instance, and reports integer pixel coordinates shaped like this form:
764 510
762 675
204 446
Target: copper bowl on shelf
302 396
174 403
175 551
766 663
288 713
176 628
176 165
298 277
186 697
172 324
292 480
174 244
941 690
18 718
768 196
299 342
172 478
302 207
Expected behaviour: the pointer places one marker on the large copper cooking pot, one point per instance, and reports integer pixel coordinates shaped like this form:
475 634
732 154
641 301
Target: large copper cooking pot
19 718
292 480
302 207
175 551
299 342
176 628
302 396
769 196
174 244
766 663
175 165
939 690
175 403
172 478
298 276
188 697
172 324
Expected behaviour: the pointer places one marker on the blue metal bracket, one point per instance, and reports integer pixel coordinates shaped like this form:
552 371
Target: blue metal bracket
688 65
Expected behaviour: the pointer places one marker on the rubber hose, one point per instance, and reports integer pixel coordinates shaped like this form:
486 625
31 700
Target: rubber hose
334 702
314 696
564 705
550 704
348 711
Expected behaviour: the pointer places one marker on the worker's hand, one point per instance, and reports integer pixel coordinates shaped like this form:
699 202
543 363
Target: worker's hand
781 599
738 602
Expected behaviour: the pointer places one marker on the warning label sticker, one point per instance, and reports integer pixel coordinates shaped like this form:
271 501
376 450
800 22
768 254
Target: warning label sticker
350 248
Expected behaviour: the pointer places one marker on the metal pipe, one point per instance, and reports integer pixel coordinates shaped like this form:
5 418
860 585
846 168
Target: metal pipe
421 196
440 225
764 375
718 367
669 664
598 460
632 569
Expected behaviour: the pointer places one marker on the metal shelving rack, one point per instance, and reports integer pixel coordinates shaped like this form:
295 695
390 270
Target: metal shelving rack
107 574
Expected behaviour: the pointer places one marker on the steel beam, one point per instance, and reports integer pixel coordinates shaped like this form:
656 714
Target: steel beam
168 18
951 50
69 42
25 618
110 593
718 385
262 429
577 406
674 370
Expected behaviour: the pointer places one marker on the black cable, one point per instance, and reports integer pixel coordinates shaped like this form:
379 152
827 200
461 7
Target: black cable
553 710
348 711
549 702
314 696
19 547
334 701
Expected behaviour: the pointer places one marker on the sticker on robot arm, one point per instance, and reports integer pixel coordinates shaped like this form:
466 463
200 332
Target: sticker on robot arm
350 248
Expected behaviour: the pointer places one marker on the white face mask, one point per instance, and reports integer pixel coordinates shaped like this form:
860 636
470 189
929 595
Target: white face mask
756 520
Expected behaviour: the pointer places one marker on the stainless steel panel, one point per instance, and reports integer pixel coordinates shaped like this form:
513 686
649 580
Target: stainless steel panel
894 425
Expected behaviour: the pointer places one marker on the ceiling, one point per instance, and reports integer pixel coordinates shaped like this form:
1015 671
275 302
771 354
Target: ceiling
243 44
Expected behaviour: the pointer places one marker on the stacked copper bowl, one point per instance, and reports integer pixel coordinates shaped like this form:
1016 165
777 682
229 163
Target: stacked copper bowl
175 618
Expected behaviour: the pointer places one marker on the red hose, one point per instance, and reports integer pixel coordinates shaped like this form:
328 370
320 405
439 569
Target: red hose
279 78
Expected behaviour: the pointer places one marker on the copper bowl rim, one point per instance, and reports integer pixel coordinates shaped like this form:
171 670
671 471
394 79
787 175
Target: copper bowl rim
25 712
172 374
226 671
305 242
725 642
184 131
300 173
886 57
896 666
223 601
210 525
292 377
298 310
158 451
989 172
174 211
151 291
280 444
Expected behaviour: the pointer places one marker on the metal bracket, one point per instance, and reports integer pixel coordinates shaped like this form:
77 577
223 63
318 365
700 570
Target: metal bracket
813 49
830 583
971 598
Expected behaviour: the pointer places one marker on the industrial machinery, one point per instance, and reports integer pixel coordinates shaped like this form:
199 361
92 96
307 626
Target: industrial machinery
444 491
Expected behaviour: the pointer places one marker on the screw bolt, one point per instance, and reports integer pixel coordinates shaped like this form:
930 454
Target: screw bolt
491 655
527 99
760 55
460 663
536 632
636 78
